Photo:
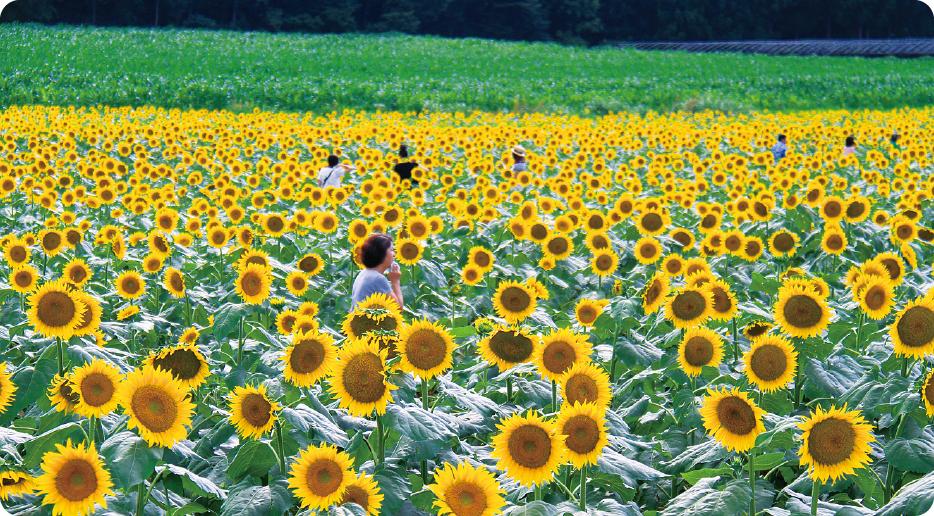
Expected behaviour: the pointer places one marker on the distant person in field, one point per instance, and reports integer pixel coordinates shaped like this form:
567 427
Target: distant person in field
894 140
518 157
850 147
377 256
332 174
780 148
405 166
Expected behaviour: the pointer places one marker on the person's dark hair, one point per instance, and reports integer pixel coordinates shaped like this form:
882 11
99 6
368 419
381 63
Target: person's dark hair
403 151
894 137
850 141
373 250
781 137
333 160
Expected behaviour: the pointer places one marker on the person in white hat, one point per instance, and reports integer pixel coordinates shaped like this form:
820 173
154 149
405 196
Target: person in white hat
518 156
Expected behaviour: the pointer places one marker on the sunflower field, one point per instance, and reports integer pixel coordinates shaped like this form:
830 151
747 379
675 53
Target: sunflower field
657 318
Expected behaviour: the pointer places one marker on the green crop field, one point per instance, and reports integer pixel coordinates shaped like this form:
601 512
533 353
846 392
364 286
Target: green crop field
322 73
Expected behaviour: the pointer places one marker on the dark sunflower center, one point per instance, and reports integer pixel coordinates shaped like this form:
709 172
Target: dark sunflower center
7 481
929 391
56 309
582 433
831 441
155 408
482 259
307 356
855 210
753 248
875 297
76 480
51 241
256 410
130 285
604 262
736 416
165 222
586 314
77 274
835 242
802 311
698 351
515 300
97 389
916 327
539 232
581 388
653 292
308 264
357 495
689 305
361 324
558 357
409 251
709 221
648 250
17 253
768 362
177 282
183 364
733 243
558 246
595 222
652 222
893 267
324 477
251 284
760 209
298 283
833 209
160 244
530 446
68 393
511 347
904 231
23 279
466 498
722 302
275 223
757 329
363 378
425 349
784 242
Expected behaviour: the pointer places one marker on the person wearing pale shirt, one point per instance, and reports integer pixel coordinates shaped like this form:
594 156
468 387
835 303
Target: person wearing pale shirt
850 147
332 174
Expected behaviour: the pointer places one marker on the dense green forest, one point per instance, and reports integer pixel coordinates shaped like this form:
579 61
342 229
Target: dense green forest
565 21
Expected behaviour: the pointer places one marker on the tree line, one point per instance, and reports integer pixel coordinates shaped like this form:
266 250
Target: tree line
577 22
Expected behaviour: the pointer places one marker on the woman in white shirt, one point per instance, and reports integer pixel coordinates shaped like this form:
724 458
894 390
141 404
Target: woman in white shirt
331 175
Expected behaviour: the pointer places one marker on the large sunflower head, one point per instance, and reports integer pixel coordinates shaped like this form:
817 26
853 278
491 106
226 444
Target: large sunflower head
174 282
560 350
782 244
74 480
51 241
770 362
507 347
359 378
60 393
465 490
893 266
724 304
732 418
558 247
528 449
689 307
482 258
54 311
604 263
801 312
96 385
16 252
251 411
426 349
514 301
875 296
320 476
297 283
363 491
652 222
184 362
835 443
15 483
700 347
24 279
584 431
648 250
409 251
7 389
77 272
588 310
585 383
157 404
833 241
130 285
311 357
913 329
253 283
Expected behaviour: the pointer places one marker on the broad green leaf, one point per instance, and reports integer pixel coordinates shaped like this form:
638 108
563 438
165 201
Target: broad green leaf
304 419
253 458
247 500
913 499
463 331
704 498
30 383
228 318
46 442
416 423
196 483
393 486
915 455
695 476
129 458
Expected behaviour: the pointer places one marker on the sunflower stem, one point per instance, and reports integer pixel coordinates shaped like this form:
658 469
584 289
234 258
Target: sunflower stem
425 406
564 487
280 450
509 388
583 493
554 396
141 502
187 307
859 330
752 481
538 492
380 448
797 386
91 428
905 367
240 344
61 357
815 495
735 343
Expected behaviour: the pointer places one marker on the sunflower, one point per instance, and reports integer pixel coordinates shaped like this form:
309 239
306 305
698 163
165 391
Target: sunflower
130 285
217 237
604 263
54 312
913 329
782 244
755 330
24 278
893 265
409 251
588 310
60 393
752 249
174 282
77 272
801 312
507 347
656 292
541 291
560 350
732 418
184 362
253 257
15 483
927 392
127 312
96 385
770 363
159 244
189 336
16 252
583 428
482 258
528 449
363 491
311 357
310 264
700 347
359 379
157 404
253 283
558 247
584 383
724 304
514 301
648 250
74 480
835 443
251 411
152 263
297 283
597 242
471 275
652 222
274 225
875 296
426 349
833 241
465 490
689 307
376 317
320 476
51 241
285 321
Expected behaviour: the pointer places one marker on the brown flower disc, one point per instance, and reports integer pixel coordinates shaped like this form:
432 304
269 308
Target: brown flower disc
916 327
768 362
831 441
736 415
529 446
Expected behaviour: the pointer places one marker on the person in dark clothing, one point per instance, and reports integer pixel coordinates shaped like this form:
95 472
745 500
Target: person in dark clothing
405 167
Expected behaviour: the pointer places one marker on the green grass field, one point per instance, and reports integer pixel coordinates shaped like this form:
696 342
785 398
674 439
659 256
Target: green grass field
321 73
